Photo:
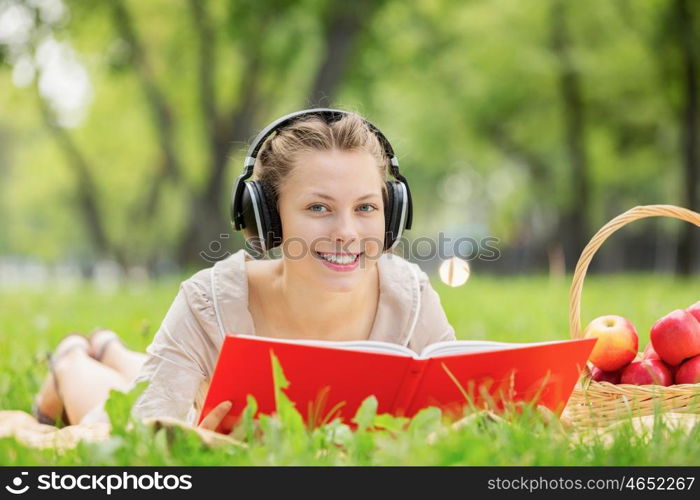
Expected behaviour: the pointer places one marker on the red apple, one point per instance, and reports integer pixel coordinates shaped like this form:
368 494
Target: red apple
689 371
617 342
650 371
676 337
695 310
601 376
650 353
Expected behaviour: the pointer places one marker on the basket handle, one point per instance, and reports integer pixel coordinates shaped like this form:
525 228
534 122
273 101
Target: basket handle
636 213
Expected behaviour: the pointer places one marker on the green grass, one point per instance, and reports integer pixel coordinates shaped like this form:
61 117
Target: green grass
524 309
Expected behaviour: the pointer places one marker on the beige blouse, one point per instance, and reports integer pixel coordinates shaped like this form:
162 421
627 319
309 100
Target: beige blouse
214 301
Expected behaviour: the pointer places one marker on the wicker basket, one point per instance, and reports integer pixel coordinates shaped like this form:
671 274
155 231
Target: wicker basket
597 404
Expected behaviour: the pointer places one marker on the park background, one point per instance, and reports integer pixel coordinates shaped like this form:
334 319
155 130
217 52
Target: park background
123 125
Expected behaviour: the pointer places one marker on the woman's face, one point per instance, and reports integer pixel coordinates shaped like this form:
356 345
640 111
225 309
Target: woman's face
331 203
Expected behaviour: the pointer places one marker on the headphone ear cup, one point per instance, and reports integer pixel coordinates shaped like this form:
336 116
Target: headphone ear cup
249 209
253 216
391 214
273 226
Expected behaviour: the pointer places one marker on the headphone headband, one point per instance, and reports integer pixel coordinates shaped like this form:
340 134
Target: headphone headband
329 114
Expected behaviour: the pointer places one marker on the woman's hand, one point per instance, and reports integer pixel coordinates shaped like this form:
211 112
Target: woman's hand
214 417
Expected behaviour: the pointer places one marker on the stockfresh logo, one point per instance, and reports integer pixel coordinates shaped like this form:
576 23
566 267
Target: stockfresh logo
18 487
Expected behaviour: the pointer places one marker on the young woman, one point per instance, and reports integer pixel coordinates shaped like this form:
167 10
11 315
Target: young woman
325 174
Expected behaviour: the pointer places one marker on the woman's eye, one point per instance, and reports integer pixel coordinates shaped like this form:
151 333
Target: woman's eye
312 207
371 207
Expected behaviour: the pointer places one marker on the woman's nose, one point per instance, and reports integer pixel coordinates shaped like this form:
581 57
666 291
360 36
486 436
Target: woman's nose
344 228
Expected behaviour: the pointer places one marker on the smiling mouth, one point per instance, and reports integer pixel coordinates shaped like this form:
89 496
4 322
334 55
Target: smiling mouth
320 255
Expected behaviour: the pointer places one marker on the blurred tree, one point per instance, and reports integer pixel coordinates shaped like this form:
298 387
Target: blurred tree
85 184
670 30
684 30
573 230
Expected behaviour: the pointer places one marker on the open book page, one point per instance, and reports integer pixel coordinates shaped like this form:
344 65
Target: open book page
436 349
353 345
469 346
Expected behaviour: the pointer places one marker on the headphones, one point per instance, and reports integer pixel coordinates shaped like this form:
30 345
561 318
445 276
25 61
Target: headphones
253 204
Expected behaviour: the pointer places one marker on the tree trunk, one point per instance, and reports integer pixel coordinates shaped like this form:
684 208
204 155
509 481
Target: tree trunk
688 247
160 112
343 24
574 226
87 192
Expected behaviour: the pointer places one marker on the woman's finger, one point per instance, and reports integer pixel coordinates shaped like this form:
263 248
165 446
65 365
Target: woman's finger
214 417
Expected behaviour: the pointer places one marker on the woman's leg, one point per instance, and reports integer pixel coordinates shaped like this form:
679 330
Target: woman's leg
84 383
111 351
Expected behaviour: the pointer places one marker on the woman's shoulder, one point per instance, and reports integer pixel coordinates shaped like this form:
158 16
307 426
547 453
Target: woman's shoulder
218 295
217 286
230 272
399 270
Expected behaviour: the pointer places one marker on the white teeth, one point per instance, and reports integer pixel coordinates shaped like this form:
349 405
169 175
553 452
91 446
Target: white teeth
336 259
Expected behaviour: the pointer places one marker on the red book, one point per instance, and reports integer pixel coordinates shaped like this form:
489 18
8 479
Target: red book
329 379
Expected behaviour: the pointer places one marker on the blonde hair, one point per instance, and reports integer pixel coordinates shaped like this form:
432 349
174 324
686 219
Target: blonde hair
276 158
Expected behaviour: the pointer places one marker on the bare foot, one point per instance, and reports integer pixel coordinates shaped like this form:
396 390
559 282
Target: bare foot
102 343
